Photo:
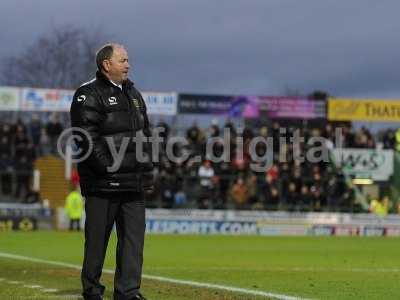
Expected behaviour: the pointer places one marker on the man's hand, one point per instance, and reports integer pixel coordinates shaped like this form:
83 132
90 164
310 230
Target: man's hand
148 183
148 190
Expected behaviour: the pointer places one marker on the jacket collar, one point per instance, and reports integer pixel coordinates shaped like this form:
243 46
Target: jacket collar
105 81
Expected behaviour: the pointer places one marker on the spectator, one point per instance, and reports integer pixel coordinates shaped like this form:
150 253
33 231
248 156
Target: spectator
193 133
240 194
74 209
164 133
20 142
75 177
380 207
273 172
389 139
292 195
5 130
19 126
53 130
251 183
180 199
24 171
6 165
328 132
349 137
398 140
273 200
206 174
334 192
231 127
240 162
213 131
225 174
270 192
247 133
35 131
305 200
316 181
297 178
167 186
275 131
5 148
317 198
30 152
284 172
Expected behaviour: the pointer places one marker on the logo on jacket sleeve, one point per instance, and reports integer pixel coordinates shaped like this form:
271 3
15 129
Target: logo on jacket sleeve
112 100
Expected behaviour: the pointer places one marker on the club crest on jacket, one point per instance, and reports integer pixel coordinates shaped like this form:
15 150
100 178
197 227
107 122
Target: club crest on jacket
136 103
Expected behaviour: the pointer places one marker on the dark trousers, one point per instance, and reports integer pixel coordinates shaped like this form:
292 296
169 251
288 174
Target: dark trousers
75 224
128 212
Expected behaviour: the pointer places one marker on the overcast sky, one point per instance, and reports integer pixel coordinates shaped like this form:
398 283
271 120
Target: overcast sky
266 47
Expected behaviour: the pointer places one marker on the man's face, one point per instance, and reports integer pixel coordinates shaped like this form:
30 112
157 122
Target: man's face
117 66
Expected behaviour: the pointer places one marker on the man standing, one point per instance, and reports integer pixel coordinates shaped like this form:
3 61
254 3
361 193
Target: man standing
74 209
111 111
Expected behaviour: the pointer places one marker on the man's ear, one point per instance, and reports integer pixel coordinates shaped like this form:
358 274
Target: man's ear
106 65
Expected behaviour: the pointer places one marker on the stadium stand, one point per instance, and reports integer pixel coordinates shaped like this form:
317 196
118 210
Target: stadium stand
286 185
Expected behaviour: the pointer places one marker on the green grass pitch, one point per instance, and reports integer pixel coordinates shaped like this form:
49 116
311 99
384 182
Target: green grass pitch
306 267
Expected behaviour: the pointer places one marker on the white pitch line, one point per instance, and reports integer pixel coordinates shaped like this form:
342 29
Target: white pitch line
162 279
44 290
49 290
55 297
279 269
34 286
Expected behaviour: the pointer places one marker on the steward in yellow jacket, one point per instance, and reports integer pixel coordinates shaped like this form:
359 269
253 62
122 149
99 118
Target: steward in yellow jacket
74 209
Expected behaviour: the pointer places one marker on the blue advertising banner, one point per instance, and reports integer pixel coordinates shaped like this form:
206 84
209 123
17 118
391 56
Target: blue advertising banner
200 227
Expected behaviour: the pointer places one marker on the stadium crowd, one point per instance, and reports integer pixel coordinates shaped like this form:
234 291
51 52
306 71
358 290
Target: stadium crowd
20 144
288 183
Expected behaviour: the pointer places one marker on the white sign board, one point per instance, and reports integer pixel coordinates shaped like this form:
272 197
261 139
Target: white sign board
161 103
46 99
365 163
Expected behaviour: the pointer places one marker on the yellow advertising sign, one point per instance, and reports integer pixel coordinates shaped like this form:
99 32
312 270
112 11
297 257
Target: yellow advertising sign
340 109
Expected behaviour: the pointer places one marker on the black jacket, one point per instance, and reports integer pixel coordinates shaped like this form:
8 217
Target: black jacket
103 111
